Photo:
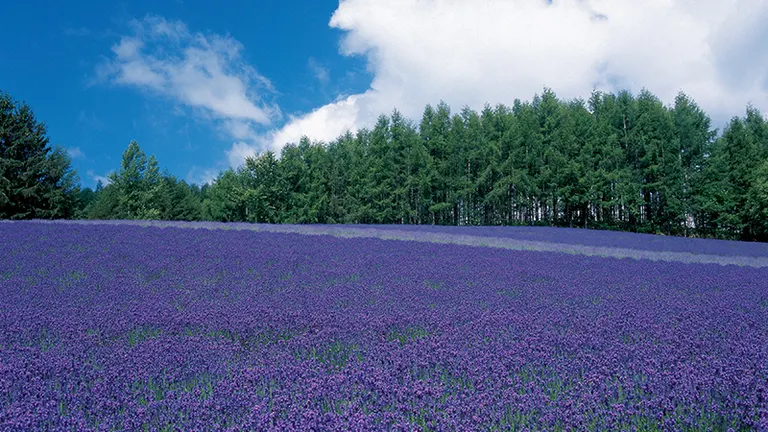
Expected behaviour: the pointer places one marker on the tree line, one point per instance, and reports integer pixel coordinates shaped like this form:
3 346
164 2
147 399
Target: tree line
615 161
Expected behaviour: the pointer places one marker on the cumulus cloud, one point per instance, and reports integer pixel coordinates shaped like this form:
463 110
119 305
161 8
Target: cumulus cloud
465 52
203 71
341 115
472 52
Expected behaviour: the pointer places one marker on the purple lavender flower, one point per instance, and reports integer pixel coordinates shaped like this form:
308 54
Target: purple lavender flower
120 326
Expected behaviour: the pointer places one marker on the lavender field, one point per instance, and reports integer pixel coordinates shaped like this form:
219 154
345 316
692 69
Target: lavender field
129 327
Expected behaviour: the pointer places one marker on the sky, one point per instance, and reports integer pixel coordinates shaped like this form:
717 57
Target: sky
202 86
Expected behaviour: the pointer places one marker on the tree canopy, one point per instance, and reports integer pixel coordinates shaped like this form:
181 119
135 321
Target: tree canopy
139 191
614 161
36 179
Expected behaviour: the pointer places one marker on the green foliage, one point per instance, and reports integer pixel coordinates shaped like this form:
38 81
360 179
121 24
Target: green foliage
757 203
264 189
139 191
615 161
137 184
36 180
224 201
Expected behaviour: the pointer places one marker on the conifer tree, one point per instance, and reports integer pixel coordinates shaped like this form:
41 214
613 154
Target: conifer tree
36 180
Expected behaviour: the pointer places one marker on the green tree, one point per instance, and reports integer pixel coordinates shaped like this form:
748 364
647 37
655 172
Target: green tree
138 191
757 203
728 177
359 193
36 180
342 163
409 160
494 125
380 178
693 132
661 164
225 200
265 189
615 161
129 182
176 200
104 205
602 159
434 131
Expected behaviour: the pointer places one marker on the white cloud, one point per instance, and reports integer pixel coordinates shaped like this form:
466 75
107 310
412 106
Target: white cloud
338 116
201 176
104 180
202 71
98 178
320 72
75 152
341 115
465 52
472 52
239 151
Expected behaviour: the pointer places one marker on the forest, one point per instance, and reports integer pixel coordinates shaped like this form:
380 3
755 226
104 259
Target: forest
616 161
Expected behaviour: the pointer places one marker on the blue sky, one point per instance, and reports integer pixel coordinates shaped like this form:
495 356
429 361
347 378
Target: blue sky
58 47
203 86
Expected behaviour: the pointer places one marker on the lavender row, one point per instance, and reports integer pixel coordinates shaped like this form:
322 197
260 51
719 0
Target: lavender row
122 327
736 253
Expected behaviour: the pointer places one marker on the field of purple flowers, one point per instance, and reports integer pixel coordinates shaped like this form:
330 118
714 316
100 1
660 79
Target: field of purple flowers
124 327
